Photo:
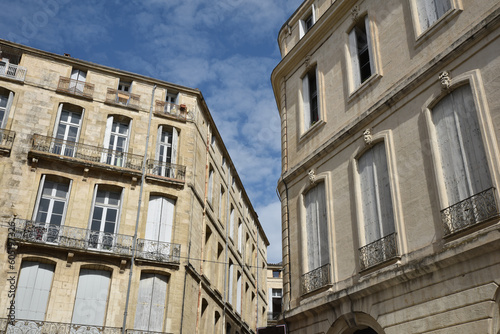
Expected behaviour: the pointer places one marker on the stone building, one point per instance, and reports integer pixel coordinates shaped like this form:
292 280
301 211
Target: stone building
274 292
390 166
121 209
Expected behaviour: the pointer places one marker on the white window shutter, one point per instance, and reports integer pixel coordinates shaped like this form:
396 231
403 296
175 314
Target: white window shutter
368 197
430 9
230 284
175 140
312 224
370 44
270 300
107 136
353 52
3 122
144 298
313 13
442 6
238 294
302 28
91 297
422 14
306 107
167 219
383 190
154 216
159 293
324 248
58 119
231 224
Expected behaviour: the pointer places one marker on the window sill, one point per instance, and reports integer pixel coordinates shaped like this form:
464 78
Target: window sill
364 86
312 129
442 21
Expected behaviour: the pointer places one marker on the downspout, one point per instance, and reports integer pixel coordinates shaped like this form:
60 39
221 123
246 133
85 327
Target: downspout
134 241
288 241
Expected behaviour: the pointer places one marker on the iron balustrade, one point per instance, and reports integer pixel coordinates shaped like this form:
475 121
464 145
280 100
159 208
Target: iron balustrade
7 138
470 211
273 316
12 71
171 110
72 237
316 279
140 331
42 327
378 251
158 251
88 153
165 169
121 98
75 87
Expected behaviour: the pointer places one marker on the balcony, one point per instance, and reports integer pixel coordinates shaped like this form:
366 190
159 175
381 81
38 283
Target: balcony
469 212
42 327
139 331
316 279
85 154
72 237
121 98
378 251
166 171
6 140
171 110
158 251
12 71
75 87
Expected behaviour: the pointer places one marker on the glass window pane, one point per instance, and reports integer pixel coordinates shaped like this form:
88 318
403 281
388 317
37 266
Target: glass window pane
111 215
58 208
114 198
100 196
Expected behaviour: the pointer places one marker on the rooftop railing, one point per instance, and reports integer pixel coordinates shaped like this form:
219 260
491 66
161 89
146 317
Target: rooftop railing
378 251
171 110
315 279
75 87
121 98
42 327
7 139
12 71
158 251
167 170
87 153
470 211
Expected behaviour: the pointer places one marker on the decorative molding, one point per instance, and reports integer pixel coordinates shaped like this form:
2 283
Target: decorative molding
307 61
34 164
123 263
134 182
367 136
85 174
70 259
445 79
355 13
312 176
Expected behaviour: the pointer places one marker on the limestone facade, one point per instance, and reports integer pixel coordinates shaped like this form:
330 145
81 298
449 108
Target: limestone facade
390 166
121 209
275 292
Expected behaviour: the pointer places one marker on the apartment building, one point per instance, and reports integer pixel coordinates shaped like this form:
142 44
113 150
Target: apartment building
121 210
274 292
390 166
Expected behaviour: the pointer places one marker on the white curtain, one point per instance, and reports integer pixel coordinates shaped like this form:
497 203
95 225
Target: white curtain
317 227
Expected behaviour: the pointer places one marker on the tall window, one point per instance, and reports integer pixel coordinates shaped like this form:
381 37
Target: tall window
231 223
221 204
210 185
307 22
33 290
6 98
240 236
67 130
160 219
105 217
116 141
77 82
50 209
238 293
91 297
171 102
310 98
317 227
429 11
166 151
376 194
230 283
151 303
274 307
360 50
463 158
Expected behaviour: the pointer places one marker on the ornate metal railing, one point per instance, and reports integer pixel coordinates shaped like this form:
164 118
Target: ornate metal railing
316 279
12 71
75 87
72 237
273 316
139 331
7 139
171 110
378 251
88 153
42 327
158 251
121 98
470 211
155 167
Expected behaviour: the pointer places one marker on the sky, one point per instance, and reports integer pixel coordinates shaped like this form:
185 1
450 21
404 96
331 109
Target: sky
226 48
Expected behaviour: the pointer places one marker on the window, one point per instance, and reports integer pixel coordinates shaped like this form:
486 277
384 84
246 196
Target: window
223 163
33 290
274 307
310 104
166 151
231 223
171 102
67 129
240 236
91 297
429 11
276 274
360 50
124 86
378 219
317 227
212 140
77 83
6 98
238 293
116 141
151 303
105 217
221 205
51 206
210 184
160 220
307 22
230 283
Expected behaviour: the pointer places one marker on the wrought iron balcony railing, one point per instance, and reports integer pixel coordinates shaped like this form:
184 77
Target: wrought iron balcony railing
473 210
140 331
121 98
72 237
378 251
273 316
171 110
7 139
164 169
75 87
87 153
42 327
158 251
12 71
316 279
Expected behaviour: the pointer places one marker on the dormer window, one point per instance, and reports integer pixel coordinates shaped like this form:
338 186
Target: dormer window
307 22
124 86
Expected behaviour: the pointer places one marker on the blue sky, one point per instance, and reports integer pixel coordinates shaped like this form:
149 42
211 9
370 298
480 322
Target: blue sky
226 48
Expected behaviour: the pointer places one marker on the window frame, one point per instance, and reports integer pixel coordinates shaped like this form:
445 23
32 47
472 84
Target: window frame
174 135
112 153
303 22
306 100
70 108
422 34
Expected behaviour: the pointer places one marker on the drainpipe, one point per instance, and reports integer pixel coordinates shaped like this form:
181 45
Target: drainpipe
134 241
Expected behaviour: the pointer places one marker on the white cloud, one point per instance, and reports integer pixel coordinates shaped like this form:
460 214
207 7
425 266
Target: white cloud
270 218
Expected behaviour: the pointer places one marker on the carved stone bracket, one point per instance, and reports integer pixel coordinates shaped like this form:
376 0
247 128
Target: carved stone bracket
445 79
355 13
70 259
134 182
312 176
85 174
307 61
34 164
367 136
123 263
